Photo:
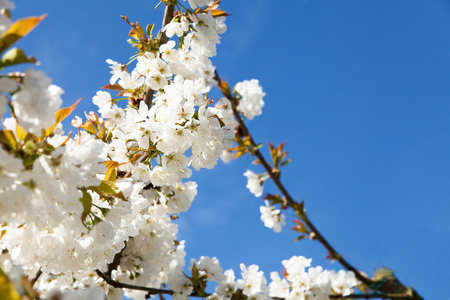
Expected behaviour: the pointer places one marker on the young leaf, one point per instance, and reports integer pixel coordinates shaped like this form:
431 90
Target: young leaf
64 112
300 237
108 188
149 29
15 56
111 172
89 127
22 134
224 88
114 87
8 138
7 290
86 200
60 116
218 13
18 29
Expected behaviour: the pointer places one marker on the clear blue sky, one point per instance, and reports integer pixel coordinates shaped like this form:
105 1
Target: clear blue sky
359 90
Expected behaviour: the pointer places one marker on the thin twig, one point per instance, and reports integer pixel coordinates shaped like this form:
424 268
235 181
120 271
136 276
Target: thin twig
397 294
168 15
160 292
121 285
288 197
36 277
364 296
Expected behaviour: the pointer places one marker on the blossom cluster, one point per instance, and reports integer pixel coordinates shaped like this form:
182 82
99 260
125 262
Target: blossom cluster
62 212
299 281
74 205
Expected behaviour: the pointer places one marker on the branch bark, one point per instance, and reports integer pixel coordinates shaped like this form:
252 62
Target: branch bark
154 291
36 277
289 199
117 284
402 293
168 15
116 261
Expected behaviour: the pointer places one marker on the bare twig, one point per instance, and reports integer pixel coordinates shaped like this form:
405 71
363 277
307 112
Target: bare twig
397 290
149 290
363 296
288 197
121 285
36 277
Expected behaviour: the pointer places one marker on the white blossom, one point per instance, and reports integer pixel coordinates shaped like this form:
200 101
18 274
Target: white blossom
272 218
252 95
254 183
36 102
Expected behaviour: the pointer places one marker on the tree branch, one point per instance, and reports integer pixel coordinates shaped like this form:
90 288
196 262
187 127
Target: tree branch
396 290
364 296
36 277
116 261
168 15
154 291
116 284
289 199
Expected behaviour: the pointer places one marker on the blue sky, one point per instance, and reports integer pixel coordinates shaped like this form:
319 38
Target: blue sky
360 92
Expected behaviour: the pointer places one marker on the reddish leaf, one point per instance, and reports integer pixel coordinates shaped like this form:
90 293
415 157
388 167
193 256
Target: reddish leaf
114 87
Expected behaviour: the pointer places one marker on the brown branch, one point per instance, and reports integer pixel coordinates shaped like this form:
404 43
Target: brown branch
149 290
288 197
116 261
148 96
396 296
397 289
116 284
364 296
168 15
160 292
36 277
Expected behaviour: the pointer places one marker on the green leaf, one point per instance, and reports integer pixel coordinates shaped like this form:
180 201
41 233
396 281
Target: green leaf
15 56
89 127
7 291
22 135
149 29
30 145
286 162
275 199
301 237
86 200
299 209
195 272
18 29
8 138
111 172
108 188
